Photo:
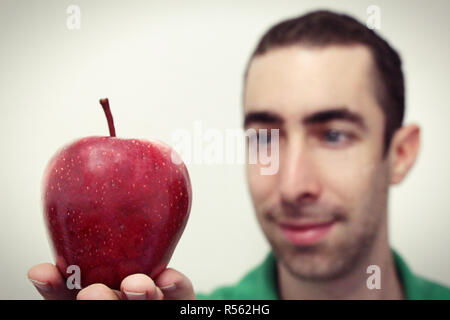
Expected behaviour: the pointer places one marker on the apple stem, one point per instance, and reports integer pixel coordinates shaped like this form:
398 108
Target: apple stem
105 105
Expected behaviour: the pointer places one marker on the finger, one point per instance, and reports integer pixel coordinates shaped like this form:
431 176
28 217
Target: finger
50 283
140 287
175 285
97 291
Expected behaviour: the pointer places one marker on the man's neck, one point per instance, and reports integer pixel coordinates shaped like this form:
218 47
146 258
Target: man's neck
351 286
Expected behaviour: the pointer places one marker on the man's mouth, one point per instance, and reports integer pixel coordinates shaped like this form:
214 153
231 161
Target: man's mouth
306 234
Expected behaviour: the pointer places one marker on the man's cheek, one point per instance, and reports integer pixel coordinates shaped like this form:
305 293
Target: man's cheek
347 180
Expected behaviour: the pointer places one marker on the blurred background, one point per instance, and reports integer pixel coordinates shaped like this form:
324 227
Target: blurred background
165 65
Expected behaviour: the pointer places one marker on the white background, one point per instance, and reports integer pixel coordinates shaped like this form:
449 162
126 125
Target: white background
165 65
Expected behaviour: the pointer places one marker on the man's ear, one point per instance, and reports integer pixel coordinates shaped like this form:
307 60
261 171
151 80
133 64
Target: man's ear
403 152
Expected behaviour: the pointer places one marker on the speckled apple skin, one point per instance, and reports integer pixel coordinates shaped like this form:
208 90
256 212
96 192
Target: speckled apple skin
115 207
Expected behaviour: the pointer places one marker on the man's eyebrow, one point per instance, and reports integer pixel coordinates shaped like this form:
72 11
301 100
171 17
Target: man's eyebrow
335 114
262 117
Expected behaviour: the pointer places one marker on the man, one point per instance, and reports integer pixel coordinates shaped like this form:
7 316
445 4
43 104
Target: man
335 91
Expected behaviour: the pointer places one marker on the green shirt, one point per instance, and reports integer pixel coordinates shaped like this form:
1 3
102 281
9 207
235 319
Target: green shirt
261 284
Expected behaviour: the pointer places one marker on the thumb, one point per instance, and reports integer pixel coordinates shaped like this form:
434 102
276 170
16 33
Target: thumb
175 285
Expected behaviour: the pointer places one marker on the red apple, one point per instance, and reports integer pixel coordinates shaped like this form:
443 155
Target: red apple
115 207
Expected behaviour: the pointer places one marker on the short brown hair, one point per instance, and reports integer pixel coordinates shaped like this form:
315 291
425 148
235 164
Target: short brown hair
322 28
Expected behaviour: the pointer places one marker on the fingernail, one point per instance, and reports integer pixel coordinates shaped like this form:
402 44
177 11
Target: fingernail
135 295
41 285
168 288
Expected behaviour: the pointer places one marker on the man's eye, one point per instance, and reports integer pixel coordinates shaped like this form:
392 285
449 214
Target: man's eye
336 137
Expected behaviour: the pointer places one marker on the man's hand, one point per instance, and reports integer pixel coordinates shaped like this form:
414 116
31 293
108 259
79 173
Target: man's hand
169 285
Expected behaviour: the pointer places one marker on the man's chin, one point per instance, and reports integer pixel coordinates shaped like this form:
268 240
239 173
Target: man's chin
314 263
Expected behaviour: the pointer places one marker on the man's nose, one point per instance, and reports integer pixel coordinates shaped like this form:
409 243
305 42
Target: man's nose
299 180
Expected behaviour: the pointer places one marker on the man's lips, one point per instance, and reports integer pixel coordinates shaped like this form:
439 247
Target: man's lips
303 234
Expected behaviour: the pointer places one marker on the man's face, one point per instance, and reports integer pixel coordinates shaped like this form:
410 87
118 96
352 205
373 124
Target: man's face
326 205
